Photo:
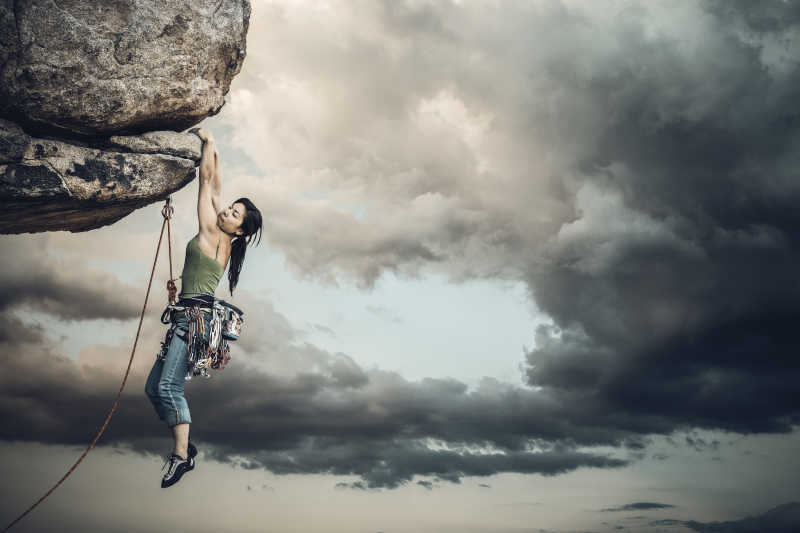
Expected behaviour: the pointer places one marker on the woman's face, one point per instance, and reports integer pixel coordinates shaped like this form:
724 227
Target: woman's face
230 219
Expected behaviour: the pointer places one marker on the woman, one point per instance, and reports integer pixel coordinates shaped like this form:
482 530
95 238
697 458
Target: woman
224 235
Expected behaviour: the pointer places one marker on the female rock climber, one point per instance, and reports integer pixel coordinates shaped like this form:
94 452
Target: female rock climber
224 235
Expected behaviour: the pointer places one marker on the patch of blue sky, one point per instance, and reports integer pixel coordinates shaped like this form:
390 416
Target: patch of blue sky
426 327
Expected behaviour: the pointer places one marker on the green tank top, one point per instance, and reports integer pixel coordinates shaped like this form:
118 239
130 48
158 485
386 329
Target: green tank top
201 274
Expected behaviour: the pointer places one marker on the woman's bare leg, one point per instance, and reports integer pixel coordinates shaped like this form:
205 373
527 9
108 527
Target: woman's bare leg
180 432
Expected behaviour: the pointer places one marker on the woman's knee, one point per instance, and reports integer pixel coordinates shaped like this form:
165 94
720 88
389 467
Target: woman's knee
151 390
169 389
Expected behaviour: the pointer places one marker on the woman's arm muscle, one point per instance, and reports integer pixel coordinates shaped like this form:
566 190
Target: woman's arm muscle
216 188
208 195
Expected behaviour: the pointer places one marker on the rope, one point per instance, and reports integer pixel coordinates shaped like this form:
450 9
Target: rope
172 290
167 213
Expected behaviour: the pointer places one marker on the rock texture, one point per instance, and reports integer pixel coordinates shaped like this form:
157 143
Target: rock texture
81 67
83 86
48 185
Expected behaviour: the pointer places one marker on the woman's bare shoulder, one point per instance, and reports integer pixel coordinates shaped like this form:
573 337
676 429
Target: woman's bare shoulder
207 242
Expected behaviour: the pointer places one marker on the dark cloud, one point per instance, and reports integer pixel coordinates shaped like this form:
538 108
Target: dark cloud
639 506
700 444
334 419
354 485
674 288
666 522
392 463
782 519
773 16
60 285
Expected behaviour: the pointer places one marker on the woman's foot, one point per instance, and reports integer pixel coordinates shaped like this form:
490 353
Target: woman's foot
192 451
178 466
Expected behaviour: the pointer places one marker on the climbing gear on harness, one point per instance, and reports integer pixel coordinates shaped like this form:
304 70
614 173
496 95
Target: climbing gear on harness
232 322
204 349
172 291
166 212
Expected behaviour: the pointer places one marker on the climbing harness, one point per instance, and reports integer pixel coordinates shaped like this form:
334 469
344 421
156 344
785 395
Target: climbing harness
203 350
166 212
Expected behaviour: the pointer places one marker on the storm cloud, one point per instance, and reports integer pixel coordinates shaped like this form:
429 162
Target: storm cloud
332 417
781 519
674 288
65 286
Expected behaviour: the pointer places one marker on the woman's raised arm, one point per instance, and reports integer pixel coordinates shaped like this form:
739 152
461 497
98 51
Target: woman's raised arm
208 198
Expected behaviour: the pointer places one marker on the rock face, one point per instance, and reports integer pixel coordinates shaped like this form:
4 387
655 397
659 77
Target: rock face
83 86
52 185
118 66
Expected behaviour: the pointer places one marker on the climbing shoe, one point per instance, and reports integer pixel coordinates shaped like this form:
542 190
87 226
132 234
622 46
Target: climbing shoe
178 466
192 451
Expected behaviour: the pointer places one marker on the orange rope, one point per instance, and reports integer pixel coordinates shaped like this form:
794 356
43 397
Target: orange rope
167 212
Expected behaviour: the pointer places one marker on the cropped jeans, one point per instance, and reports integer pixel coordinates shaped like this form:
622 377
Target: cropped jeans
165 384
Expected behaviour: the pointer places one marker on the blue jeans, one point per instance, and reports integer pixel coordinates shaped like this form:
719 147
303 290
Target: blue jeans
165 383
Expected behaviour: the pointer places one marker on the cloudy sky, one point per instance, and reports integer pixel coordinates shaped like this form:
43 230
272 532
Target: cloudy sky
527 266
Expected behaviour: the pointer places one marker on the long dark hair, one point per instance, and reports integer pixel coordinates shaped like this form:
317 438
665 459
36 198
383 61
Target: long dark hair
250 226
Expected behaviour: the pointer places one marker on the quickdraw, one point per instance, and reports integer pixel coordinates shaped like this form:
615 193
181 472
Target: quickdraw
197 328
